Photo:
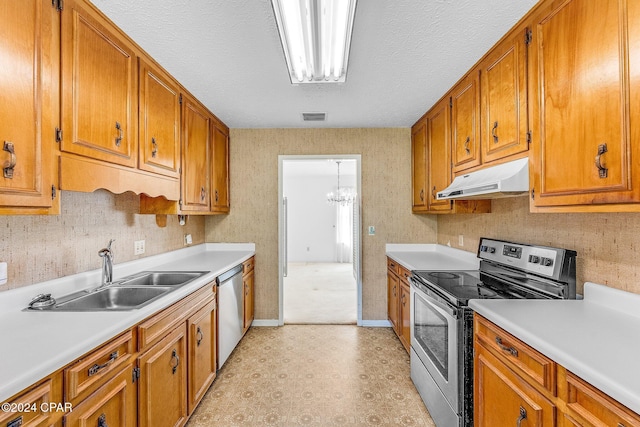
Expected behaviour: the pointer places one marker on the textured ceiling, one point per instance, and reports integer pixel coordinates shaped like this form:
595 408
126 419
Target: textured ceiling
405 54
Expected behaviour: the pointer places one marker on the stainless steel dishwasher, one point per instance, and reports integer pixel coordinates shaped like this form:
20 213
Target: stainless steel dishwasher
230 312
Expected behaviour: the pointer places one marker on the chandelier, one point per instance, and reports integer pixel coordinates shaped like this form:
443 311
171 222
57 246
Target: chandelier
343 196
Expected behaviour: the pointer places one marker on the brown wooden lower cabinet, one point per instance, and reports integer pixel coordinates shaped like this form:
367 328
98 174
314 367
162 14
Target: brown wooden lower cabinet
163 382
515 385
113 404
202 353
30 404
249 294
399 301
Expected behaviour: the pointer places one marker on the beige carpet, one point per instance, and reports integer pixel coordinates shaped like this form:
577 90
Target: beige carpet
317 376
320 293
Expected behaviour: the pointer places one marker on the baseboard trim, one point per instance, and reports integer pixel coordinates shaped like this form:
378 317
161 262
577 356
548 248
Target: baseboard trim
265 322
376 323
365 323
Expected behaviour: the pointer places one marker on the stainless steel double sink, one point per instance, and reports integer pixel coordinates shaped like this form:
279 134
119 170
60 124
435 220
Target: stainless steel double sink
129 293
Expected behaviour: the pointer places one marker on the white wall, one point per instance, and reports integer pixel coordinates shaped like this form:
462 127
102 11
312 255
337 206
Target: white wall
311 221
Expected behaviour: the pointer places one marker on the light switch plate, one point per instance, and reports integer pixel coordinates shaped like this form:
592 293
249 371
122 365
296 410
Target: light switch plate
138 247
372 230
3 273
188 239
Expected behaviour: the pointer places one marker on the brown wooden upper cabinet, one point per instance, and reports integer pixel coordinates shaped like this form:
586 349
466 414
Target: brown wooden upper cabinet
419 166
503 79
439 154
584 78
159 121
29 31
465 122
196 140
99 87
220 168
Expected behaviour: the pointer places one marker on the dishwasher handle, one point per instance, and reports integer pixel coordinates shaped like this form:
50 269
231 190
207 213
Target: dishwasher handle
228 274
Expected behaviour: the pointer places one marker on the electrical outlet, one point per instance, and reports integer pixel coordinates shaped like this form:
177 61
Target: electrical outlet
460 239
138 247
188 239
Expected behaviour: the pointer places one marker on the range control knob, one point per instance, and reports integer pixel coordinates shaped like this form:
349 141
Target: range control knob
534 259
492 250
547 262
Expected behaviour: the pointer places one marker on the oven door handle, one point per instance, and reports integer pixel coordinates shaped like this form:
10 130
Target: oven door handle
434 300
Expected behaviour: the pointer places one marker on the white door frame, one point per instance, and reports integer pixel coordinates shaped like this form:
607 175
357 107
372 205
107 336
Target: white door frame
281 231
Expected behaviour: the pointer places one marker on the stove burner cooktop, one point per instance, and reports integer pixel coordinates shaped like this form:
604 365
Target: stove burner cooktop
461 286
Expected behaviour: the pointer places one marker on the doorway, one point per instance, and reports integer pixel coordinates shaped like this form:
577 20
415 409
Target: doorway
319 241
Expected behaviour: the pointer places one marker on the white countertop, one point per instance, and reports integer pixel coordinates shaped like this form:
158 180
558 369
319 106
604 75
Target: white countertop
597 338
37 344
432 257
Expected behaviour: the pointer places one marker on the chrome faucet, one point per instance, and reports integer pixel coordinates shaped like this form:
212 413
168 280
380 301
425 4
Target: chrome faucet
107 264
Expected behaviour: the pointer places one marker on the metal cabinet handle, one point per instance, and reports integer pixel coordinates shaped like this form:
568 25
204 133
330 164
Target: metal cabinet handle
620 425
216 196
509 350
422 195
97 368
602 171
466 145
102 421
433 192
203 193
119 137
174 355
199 336
494 132
11 163
523 416
404 299
246 289
154 144
394 291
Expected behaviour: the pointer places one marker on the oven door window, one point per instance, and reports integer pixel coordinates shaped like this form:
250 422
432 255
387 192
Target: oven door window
431 331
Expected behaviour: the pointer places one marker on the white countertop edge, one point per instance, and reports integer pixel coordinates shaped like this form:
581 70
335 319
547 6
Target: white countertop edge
603 299
117 322
230 247
411 247
432 257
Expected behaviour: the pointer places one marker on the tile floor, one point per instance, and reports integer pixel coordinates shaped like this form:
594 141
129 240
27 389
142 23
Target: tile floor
314 375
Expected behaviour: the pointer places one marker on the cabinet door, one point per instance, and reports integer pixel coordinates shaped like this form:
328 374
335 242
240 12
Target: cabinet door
113 404
393 297
504 99
99 87
502 399
159 121
196 128
202 352
29 113
163 382
583 67
439 154
42 394
220 170
248 300
465 123
405 315
419 166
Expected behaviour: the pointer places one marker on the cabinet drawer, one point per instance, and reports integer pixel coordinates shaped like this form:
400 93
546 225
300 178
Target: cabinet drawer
89 372
154 328
392 266
248 265
404 274
519 356
594 408
32 399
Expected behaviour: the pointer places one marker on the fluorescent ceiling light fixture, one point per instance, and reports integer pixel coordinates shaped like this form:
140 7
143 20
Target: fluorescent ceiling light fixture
316 36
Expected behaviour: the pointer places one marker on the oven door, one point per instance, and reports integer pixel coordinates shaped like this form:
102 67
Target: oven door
434 332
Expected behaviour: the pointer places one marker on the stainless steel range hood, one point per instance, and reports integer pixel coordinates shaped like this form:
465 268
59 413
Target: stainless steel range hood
505 180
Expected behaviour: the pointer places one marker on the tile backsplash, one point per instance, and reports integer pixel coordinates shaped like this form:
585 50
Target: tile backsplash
39 248
608 244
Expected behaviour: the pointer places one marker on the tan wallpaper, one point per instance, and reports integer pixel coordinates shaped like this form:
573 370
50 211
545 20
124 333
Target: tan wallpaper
607 243
39 248
386 195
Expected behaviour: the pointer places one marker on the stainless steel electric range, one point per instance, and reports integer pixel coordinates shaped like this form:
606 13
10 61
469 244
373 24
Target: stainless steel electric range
442 322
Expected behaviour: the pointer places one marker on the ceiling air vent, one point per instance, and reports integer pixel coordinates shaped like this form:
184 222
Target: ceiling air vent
314 117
